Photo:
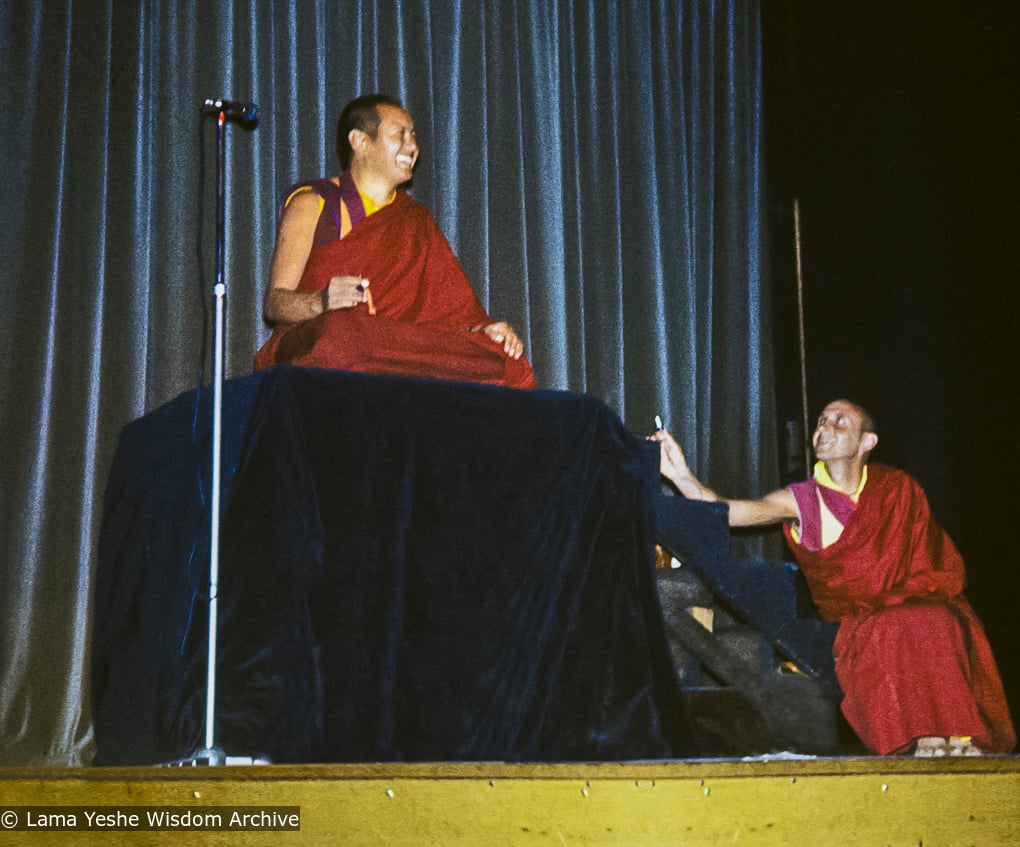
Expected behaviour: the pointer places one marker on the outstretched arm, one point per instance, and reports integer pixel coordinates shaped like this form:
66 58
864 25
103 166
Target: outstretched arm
773 508
673 466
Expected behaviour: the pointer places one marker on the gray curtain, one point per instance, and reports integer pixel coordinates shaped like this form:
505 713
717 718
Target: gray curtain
596 166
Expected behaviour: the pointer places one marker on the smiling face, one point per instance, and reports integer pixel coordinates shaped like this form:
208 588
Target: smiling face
842 433
391 155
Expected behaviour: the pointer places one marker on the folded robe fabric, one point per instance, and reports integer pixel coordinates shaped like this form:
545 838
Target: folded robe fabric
412 570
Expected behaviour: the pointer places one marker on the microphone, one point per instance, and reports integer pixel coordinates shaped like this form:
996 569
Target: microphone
246 113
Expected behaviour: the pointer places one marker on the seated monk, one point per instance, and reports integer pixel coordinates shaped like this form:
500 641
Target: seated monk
363 279
912 658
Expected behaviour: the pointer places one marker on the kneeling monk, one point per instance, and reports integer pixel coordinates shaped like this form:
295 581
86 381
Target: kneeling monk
364 280
916 669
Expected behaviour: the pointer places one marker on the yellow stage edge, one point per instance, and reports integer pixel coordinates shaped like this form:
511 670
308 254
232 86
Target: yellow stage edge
899 802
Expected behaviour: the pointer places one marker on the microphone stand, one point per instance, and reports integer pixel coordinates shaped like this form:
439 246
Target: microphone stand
211 754
245 113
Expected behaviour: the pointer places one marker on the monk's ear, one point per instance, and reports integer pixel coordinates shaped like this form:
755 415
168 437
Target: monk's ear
356 137
868 443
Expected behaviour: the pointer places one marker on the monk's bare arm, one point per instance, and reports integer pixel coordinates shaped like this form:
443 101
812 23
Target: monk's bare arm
773 508
283 302
673 466
777 507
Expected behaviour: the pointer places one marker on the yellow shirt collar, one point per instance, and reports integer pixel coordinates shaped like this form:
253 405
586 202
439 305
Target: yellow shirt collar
822 478
369 203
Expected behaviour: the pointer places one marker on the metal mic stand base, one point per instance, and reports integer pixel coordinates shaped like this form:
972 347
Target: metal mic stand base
214 758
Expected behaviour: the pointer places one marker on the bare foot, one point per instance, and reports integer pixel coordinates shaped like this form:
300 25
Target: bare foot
933 746
963 745
929 746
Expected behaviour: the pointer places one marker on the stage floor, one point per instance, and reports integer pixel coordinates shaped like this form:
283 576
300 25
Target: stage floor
771 801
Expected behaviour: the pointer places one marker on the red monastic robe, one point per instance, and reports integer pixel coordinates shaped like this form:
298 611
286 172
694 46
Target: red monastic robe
911 656
424 306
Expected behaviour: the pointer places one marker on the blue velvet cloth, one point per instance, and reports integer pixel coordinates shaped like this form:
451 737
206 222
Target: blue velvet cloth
411 570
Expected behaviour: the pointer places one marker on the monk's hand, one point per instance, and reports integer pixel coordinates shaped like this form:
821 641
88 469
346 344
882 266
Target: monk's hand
673 465
502 333
344 292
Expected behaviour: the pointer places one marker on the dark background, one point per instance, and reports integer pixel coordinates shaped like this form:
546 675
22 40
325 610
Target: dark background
895 127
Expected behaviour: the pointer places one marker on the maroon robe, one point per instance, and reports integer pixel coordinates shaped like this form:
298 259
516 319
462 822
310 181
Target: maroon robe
425 307
911 656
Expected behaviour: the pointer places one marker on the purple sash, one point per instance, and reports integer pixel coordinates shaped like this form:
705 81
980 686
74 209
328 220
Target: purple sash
352 199
806 494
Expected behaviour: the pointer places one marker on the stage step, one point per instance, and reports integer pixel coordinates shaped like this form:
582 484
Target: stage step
752 658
